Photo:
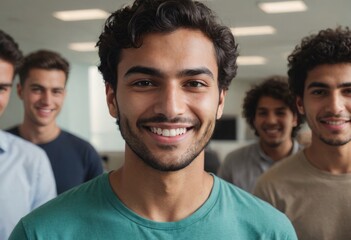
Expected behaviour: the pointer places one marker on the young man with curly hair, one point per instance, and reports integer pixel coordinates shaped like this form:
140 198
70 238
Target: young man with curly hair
312 187
167 65
270 110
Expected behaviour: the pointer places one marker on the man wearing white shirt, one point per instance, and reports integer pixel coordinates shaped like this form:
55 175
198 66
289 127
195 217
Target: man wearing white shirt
26 178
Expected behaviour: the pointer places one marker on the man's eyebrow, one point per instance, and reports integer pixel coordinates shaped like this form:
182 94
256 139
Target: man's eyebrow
36 85
143 70
157 73
323 85
317 84
5 85
196 71
275 109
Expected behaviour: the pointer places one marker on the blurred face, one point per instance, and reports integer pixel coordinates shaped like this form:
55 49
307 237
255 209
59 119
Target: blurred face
42 94
6 77
167 98
326 104
274 121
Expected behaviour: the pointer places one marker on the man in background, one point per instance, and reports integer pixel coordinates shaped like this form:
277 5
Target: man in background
26 178
270 110
42 89
313 186
167 66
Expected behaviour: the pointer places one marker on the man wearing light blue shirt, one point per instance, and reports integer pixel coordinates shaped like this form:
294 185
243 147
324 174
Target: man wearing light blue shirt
26 178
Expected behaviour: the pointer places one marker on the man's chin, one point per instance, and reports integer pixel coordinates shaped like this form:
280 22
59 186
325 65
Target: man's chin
273 144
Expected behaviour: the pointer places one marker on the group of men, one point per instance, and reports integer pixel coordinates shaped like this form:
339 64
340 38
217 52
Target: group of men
167 66
31 175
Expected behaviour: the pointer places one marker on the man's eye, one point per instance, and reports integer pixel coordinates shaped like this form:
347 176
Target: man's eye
143 83
261 113
195 84
36 89
318 92
347 91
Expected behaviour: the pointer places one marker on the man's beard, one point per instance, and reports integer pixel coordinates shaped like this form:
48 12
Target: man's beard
143 152
334 142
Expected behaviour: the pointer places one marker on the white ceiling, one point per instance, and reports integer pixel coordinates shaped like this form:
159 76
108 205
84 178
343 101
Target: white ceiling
32 25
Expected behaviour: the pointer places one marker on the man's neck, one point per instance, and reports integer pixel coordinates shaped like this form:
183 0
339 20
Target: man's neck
333 159
162 196
279 152
38 134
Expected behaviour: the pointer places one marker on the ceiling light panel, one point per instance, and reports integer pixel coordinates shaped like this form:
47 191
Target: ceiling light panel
79 15
282 6
251 31
251 60
82 46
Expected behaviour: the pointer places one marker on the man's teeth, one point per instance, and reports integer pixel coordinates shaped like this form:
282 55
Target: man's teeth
45 110
168 132
335 122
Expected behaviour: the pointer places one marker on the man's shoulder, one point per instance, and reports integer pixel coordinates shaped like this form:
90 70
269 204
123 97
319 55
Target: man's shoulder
242 153
71 138
287 170
13 130
17 143
248 206
284 167
67 203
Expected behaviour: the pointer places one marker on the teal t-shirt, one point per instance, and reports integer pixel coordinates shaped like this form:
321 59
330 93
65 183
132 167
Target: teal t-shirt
93 211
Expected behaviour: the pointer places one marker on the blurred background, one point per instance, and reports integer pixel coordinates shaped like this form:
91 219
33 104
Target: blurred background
42 24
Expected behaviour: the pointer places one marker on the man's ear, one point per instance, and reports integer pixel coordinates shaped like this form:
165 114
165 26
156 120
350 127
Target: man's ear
299 104
111 100
222 95
19 90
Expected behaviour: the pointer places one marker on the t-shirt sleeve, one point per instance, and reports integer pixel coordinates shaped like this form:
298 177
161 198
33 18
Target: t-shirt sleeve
225 169
95 164
261 189
19 232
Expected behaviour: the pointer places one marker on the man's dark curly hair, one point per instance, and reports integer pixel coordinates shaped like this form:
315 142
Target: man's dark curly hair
9 50
275 87
126 27
330 46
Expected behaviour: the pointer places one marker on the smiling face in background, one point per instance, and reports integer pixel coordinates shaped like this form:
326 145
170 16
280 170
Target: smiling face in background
326 104
42 94
167 98
6 77
274 121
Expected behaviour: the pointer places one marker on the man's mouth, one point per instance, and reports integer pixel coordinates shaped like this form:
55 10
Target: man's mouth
168 132
45 110
335 123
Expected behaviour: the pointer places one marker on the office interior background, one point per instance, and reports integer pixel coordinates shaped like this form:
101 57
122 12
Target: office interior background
40 24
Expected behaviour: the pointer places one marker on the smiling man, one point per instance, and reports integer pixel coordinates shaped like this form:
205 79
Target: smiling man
312 187
26 178
42 89
270 110
167 66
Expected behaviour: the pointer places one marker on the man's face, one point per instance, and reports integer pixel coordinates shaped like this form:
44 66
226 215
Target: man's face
42 94
326 104
167 98
6 77
274 121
